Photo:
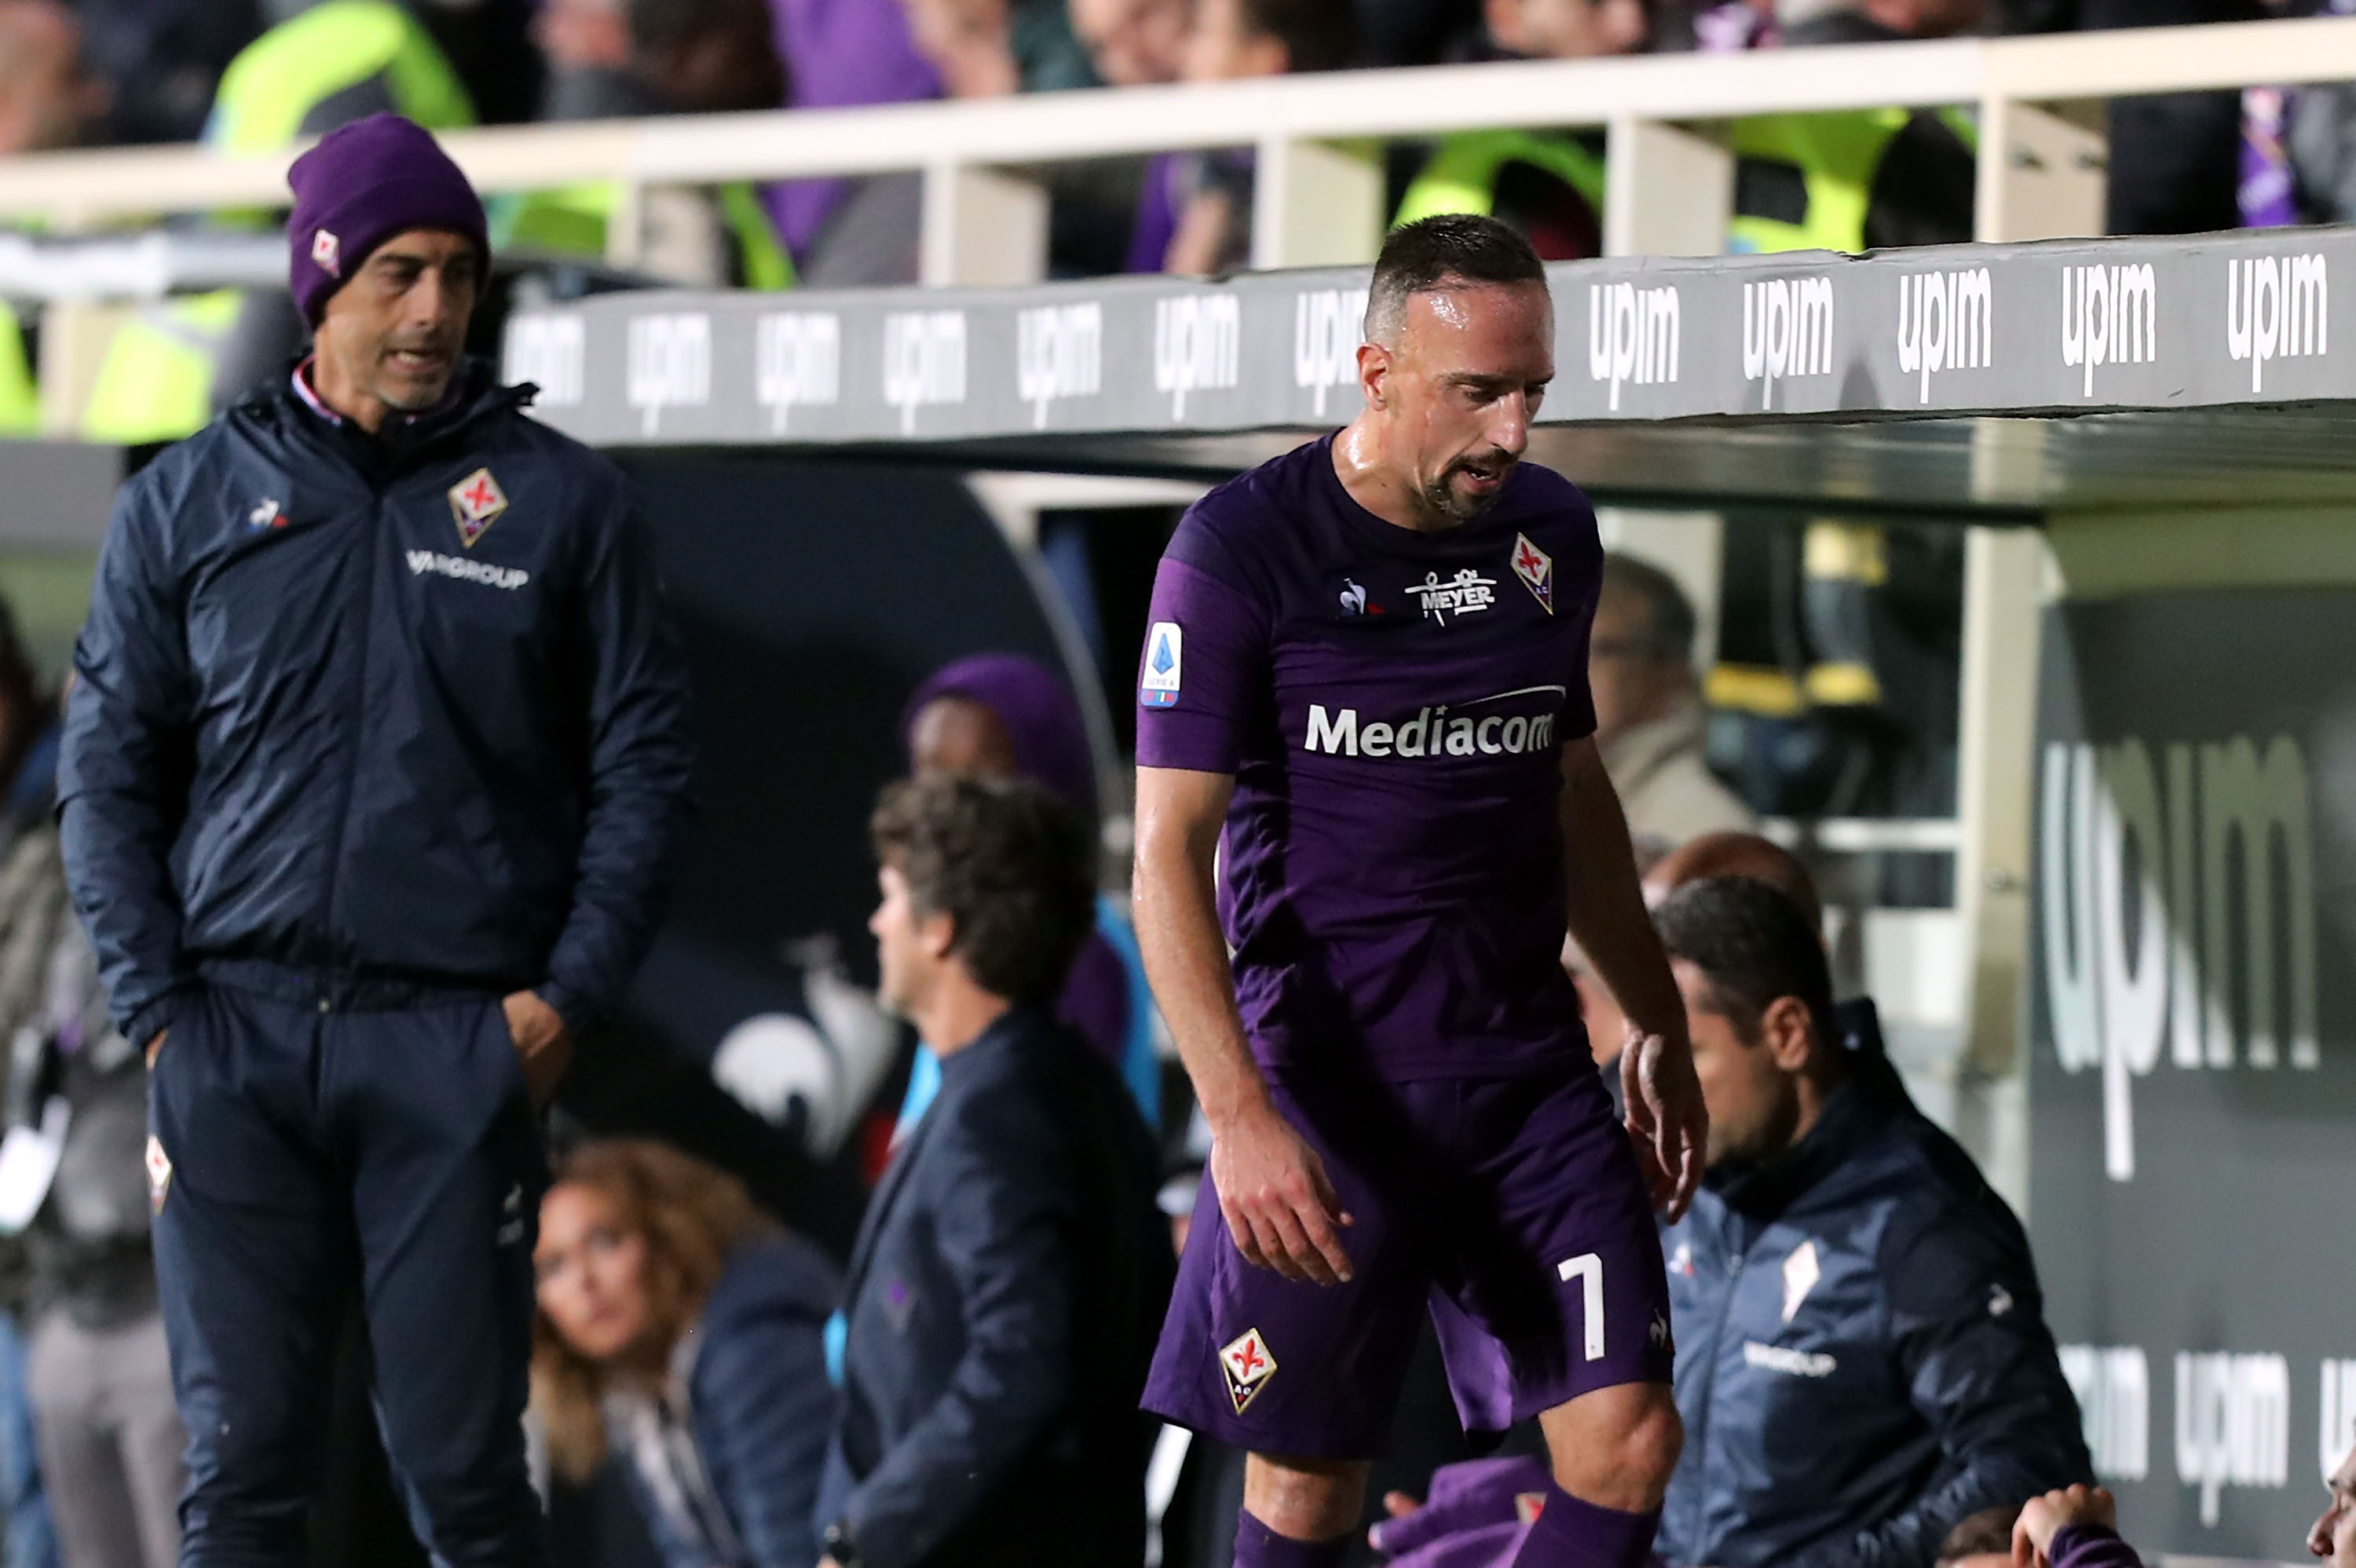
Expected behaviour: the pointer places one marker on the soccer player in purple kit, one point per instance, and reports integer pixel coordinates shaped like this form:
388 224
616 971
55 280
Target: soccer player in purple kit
1365 681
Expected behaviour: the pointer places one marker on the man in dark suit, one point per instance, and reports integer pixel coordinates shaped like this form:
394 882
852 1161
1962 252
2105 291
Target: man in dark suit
1013 1269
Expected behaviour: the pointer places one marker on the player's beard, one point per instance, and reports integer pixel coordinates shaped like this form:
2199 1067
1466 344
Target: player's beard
1446 501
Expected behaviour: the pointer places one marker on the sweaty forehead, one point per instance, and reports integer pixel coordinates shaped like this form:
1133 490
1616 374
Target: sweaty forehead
1481 328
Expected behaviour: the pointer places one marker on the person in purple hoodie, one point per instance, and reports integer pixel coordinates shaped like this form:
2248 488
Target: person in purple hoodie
1008 716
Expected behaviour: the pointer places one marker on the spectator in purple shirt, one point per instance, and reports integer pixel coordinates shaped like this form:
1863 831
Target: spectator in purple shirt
845 54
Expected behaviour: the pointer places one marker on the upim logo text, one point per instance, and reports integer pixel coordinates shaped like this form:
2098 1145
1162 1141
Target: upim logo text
2233 1423
2110 315
1946 321
1058 352
2277 308
796 362
1632 335
2234 819
1198 347
669 364
1788 330
924 362
2113 1383
547 351
1328 325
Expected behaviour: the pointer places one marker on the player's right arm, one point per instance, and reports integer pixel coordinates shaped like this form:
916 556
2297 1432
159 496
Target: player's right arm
1279 1205
126 763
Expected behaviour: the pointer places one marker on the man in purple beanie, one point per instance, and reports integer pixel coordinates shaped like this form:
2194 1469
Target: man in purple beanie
375 767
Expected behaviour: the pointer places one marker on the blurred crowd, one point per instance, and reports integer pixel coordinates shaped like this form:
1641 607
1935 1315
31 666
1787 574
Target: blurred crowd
253 74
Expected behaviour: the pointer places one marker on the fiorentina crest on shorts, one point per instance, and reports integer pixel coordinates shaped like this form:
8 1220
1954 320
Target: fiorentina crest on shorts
1248 1366
159 1173
1536 569
477 502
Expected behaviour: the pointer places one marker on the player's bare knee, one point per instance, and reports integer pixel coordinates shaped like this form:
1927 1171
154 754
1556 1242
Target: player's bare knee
1304 1498
1617 1447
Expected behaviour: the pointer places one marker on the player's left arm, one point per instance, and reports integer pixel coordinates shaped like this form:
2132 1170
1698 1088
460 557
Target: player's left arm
1979 1366
641 774
1614 929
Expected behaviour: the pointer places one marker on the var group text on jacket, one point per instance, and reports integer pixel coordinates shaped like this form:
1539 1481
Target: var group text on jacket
400 709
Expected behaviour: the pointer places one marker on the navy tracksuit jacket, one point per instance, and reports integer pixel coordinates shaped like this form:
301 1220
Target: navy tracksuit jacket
367 732
1862 1356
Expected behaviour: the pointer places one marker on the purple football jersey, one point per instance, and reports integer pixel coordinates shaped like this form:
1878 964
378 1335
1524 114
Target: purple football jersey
1393 706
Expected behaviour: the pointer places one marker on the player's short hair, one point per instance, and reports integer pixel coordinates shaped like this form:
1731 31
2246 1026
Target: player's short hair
1753 945
1455 249
1012 866
1987 1533
1317 35
1670 624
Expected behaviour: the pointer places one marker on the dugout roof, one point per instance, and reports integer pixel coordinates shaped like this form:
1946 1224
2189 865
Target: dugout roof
1988 382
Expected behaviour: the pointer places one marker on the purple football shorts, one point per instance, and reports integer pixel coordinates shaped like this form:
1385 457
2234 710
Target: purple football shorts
1511 1208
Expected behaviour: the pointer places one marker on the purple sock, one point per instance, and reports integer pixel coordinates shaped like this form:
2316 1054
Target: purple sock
1572 1533
1257 1546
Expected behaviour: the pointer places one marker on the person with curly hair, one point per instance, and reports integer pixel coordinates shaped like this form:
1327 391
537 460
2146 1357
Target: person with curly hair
682 1328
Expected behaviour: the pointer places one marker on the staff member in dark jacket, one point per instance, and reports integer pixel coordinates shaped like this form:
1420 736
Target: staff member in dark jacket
375 768
1012 1272
1862 1357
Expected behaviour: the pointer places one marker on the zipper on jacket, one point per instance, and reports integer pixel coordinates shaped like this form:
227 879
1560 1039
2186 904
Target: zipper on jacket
337 942
1709 1395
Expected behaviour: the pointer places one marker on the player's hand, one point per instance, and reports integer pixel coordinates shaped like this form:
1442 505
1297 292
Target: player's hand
541 1040
1666 1116
1280 1208
2043 1518
153 1046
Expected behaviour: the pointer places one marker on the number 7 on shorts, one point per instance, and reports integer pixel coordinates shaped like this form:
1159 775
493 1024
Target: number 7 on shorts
1588 1269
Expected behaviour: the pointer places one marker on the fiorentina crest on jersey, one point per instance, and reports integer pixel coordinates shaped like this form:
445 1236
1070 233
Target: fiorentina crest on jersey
1246 1366
477 502
1536 569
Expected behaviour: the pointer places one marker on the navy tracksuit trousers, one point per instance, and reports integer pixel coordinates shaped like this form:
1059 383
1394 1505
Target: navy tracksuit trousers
301 1153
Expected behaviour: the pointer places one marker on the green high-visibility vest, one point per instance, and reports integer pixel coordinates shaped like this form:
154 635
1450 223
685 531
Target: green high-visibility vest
1836 157
572 221
155 382
20 397
271 88
1462 174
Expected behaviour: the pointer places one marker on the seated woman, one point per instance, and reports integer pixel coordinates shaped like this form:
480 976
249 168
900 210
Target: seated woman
680 1328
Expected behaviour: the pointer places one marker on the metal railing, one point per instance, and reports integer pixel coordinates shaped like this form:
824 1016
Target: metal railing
1318 200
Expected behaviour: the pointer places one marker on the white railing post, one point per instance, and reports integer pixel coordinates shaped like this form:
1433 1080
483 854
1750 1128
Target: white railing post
1316 204
2043 174
983 228
1668 189
2003 591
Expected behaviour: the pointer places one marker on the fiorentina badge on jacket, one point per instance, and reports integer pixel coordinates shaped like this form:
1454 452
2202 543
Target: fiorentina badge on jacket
477 502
